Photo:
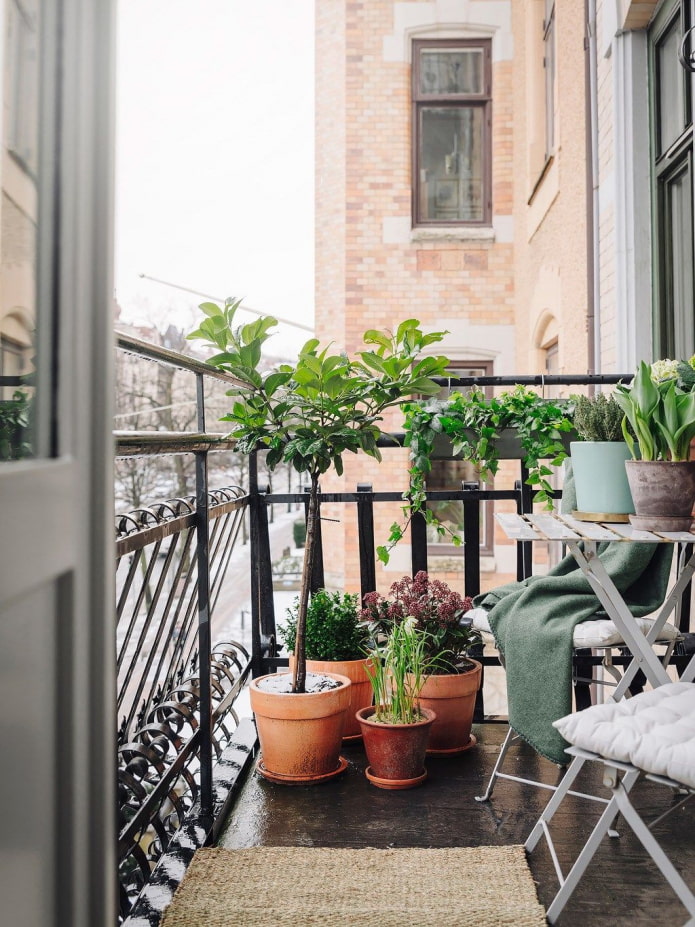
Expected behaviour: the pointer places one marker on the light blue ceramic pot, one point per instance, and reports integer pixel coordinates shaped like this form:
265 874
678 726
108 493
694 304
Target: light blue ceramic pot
600 477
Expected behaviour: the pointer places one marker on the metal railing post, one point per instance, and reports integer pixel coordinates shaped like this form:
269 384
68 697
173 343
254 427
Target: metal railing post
365 533
471 539
254 503
204 632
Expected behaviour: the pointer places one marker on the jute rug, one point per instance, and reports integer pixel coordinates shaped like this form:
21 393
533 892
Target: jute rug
477 886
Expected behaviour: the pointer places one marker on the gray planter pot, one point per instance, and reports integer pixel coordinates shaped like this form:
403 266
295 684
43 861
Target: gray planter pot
663 492
600 478
507 443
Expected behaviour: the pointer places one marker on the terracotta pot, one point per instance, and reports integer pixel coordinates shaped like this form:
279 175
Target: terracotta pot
300 734
396 752
361 695
452 698
663 492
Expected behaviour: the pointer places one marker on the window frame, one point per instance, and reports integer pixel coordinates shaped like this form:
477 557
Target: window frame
549 68
483 101
670 160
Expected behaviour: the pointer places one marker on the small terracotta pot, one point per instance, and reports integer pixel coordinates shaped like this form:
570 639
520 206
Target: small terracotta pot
396 752
300 733
452 698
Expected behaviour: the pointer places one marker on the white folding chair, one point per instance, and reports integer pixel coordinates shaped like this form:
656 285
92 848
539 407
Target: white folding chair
602 638
651 735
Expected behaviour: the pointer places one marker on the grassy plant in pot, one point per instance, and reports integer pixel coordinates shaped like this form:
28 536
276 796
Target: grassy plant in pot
309 414
336 641
396 729
659 404
452 678
598 460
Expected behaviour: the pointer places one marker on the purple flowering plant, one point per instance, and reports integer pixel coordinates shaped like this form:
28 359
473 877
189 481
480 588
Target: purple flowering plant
432 607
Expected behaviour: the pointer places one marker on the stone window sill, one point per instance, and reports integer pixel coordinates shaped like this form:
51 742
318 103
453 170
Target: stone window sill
453 233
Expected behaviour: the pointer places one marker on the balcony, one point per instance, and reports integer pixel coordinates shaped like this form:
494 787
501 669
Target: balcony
198 603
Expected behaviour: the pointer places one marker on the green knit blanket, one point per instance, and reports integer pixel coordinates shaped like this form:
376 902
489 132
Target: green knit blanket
533 623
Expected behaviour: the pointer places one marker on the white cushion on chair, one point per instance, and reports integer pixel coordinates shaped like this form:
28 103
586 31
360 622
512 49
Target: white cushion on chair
597 632
655 731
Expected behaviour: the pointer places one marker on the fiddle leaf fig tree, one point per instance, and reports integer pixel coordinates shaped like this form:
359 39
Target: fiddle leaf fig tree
310 413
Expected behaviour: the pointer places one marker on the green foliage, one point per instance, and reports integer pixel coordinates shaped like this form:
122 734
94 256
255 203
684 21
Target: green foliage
598 418
14 422
310 413
397 673
433 607
659 404
334 630
299 532
473 422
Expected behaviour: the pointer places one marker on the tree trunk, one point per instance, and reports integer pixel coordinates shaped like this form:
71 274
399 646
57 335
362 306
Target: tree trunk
299 672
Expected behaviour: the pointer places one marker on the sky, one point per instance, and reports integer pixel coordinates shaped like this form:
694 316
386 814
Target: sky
214 158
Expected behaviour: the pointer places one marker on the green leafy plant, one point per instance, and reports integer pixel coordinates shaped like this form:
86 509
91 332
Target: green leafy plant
659 404
397 670
474 423
14 422
299 532
598 418
334 630
433 607
310 413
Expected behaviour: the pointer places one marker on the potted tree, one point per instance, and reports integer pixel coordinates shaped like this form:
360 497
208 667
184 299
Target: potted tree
598 460
659 404
396 728
336 641
309 414
517 424
451 678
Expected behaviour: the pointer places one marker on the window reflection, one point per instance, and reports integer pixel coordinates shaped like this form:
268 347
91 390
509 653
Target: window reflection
18 224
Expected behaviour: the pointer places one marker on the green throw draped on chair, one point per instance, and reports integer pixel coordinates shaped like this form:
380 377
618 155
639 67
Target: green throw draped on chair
533 623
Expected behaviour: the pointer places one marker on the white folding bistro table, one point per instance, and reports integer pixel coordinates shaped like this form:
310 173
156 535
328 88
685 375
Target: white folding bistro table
581 539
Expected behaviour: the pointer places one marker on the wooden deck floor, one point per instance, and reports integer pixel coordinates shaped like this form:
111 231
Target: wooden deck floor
621 887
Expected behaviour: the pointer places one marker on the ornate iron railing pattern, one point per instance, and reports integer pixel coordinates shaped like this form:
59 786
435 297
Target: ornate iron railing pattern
159 688
156 589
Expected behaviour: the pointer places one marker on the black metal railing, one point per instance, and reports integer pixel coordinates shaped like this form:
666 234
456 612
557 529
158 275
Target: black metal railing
177 683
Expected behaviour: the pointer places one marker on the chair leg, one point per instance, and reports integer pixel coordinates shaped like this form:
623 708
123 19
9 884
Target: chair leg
650 844
569 882
495 772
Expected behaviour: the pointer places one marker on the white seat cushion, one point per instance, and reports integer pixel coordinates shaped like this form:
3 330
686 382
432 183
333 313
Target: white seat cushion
655 731
597 632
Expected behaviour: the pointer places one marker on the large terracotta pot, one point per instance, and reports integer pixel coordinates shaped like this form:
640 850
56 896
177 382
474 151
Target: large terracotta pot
452 698
396 752
663 492
361 695
300 734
